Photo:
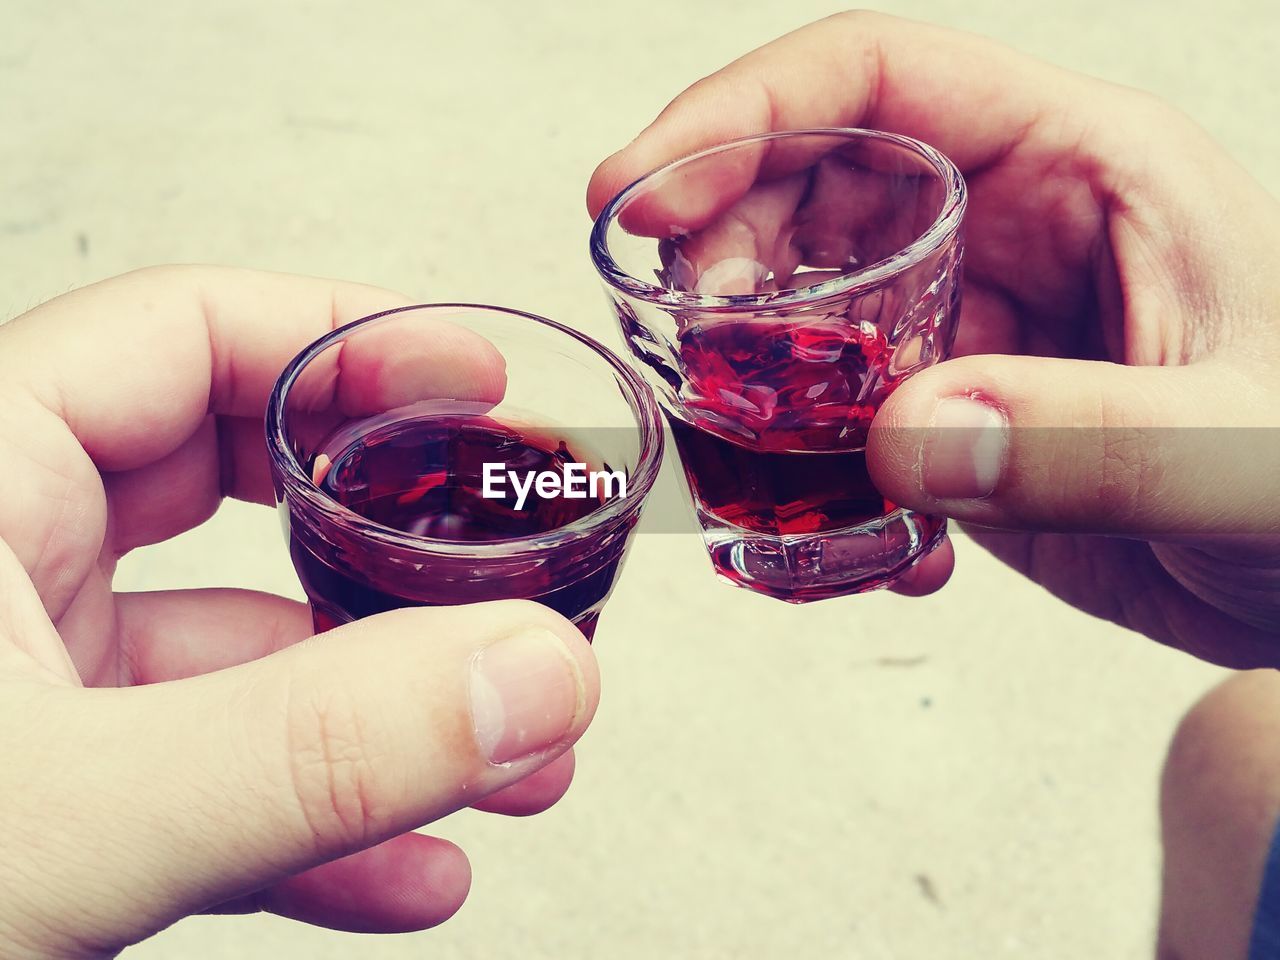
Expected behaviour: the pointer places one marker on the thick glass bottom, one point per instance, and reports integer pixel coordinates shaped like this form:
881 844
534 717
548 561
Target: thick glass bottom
801 568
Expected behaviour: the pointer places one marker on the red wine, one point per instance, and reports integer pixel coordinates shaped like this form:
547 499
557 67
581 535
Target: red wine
772 432
777 492
425 475
780 413
775 385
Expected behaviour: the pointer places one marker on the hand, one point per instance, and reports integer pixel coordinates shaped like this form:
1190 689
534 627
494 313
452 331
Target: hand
1121 282
235 768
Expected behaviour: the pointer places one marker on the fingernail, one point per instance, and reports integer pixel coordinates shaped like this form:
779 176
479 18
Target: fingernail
526 692
964 450
732 276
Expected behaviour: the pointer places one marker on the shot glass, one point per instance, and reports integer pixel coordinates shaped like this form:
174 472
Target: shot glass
773 291
454 453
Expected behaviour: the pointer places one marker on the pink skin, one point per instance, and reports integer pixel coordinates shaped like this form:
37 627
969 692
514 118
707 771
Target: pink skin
101 459
407 883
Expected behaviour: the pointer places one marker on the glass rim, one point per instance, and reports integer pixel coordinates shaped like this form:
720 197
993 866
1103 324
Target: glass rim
299 483
943 228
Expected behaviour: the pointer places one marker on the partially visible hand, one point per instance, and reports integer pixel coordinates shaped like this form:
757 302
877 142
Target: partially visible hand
226 762
1108 426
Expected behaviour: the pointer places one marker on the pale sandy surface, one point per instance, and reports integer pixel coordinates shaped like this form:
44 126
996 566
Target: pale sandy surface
758 783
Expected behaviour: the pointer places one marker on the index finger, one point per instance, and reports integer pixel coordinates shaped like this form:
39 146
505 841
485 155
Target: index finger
136 363
161 377
971 98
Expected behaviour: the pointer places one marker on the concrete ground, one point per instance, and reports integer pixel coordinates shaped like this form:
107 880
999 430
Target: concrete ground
971 775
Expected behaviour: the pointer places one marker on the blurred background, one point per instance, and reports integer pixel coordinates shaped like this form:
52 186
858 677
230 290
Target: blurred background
969 775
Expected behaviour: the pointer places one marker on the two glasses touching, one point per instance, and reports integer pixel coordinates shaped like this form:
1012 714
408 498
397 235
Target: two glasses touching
771 292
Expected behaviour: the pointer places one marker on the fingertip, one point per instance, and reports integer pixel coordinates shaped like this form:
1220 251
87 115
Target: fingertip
645 214
411 357
537 792
606 182
707 113
530 613
412 882
444 882
929 574
895 442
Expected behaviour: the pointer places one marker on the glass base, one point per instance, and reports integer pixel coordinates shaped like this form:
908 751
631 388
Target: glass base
801 568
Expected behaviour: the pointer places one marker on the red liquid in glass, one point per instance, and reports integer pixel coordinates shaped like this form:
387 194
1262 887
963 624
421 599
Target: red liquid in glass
425 476
777 492
780 413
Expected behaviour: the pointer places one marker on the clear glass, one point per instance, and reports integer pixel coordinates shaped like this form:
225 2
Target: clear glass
378 433
773 292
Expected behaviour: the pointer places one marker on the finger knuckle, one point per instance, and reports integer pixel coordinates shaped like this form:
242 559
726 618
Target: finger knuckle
858 17
1122 467
337 773
1216 739
159 273
1146 107
1151 118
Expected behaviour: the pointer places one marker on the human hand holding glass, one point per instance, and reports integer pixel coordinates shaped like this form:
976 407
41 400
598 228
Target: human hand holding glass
1112 406
180 751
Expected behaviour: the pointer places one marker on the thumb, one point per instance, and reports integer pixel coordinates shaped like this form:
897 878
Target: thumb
1069 445
216 786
